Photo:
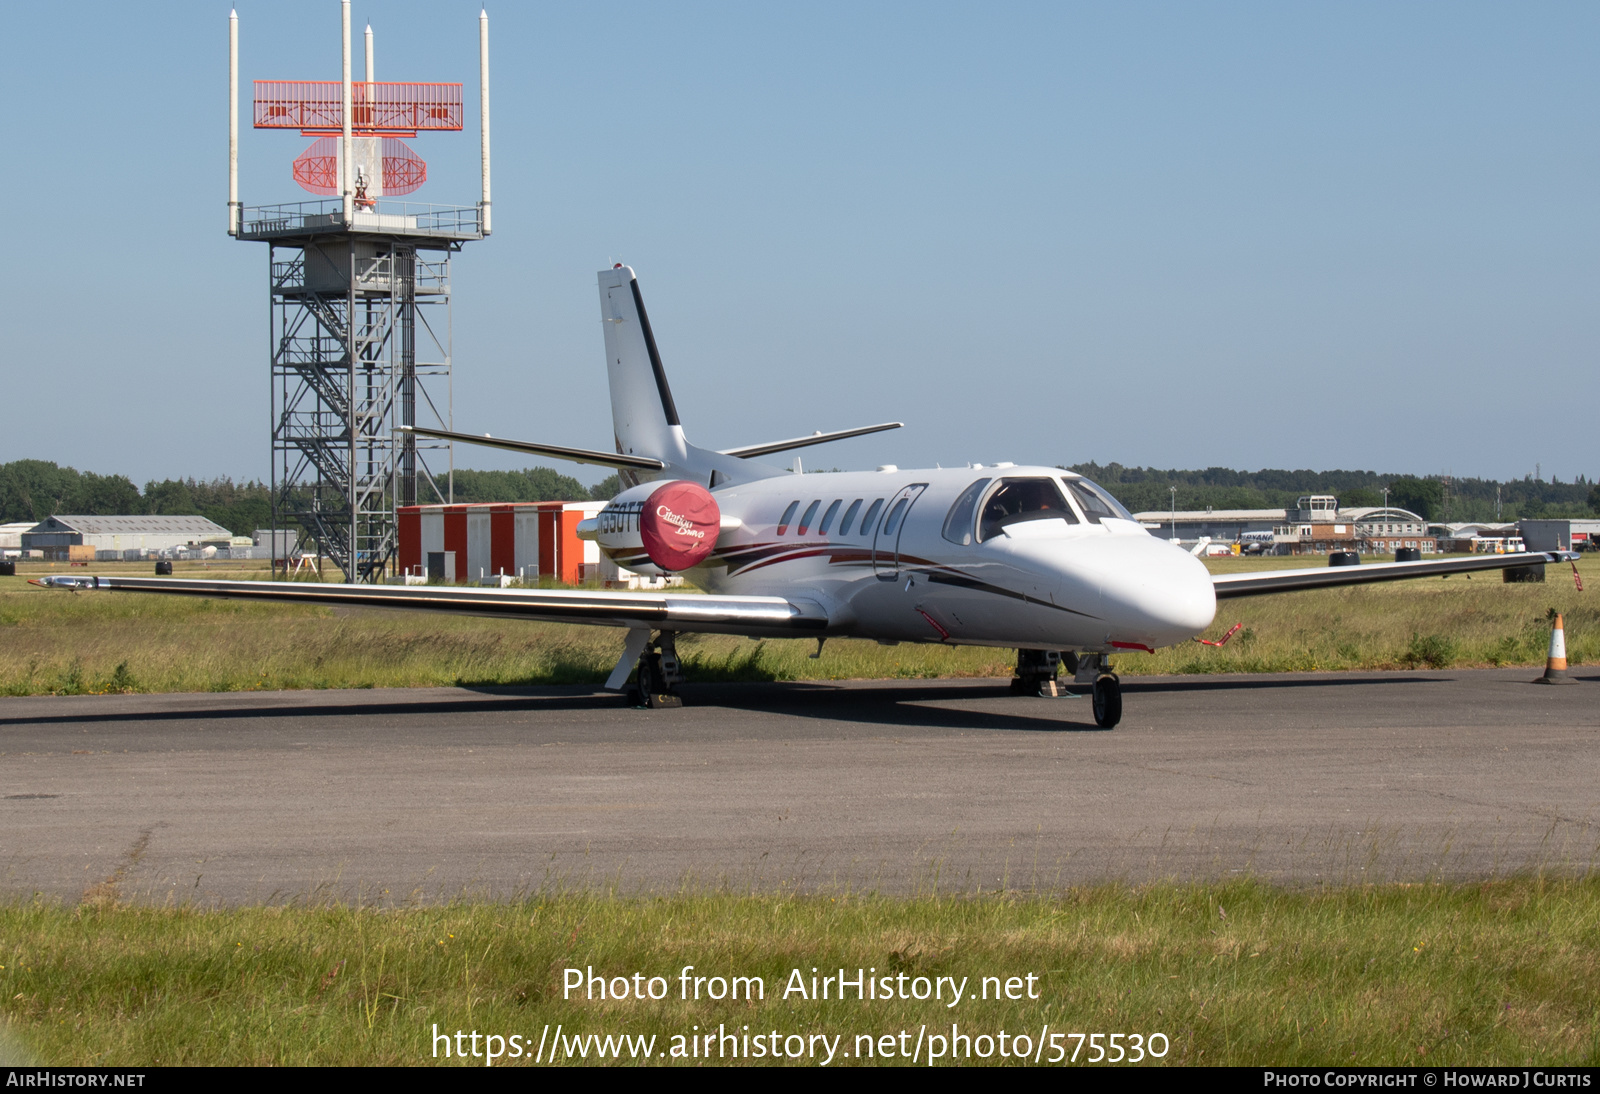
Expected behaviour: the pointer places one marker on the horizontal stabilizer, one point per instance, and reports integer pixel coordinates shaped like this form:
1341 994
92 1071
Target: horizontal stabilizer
554 451
751 450
1321 577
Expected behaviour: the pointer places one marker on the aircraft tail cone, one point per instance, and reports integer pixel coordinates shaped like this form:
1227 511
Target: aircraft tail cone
1555 666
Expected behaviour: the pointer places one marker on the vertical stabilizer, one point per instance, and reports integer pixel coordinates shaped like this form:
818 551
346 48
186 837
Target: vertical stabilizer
642 411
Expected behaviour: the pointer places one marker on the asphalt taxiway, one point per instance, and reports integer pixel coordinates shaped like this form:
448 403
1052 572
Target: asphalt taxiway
896 786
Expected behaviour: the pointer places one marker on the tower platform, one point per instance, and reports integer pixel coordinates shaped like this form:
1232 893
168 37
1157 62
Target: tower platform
420 224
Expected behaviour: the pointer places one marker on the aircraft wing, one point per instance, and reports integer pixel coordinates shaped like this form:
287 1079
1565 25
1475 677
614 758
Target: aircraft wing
759 615
1321 577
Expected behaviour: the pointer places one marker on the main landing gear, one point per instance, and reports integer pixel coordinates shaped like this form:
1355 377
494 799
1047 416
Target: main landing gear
1036 675
658 674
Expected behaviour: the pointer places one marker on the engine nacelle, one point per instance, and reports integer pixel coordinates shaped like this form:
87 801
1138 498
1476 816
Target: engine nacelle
659 527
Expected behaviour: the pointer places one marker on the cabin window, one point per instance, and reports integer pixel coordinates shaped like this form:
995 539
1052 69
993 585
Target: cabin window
788 515
1019 500
871 519
849 515
959 523
810 515
892 521
1096 503
827 518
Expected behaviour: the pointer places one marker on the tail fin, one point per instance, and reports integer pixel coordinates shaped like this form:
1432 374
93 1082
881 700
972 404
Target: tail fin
642 411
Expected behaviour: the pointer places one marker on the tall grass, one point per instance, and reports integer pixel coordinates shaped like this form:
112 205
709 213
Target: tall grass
1241 973
1428 623
63 643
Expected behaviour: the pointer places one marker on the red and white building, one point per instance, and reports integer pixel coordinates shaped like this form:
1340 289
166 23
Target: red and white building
505 541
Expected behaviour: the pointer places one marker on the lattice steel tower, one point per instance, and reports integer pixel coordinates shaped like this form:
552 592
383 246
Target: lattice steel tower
359 289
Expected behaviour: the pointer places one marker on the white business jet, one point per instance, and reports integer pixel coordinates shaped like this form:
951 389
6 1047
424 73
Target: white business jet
1031 558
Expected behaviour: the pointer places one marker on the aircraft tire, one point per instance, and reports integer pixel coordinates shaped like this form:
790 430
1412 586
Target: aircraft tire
1107 701
652 689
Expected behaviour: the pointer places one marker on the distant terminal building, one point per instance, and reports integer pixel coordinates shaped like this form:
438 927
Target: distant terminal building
88 538
1531 535
1478 537
496 543
1389 529
1315 525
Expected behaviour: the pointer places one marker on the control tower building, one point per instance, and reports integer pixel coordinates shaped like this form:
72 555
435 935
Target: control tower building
359 290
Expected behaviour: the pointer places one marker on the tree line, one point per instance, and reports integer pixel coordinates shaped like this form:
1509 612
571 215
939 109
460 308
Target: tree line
31 490
1143 489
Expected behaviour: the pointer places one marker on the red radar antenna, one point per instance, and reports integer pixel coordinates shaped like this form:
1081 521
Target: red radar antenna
382 164
317 169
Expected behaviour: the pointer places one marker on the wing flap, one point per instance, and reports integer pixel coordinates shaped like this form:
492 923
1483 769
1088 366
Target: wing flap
666 611
1283 581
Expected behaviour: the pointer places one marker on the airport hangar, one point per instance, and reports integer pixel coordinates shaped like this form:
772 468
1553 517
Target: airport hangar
98 538
1315 525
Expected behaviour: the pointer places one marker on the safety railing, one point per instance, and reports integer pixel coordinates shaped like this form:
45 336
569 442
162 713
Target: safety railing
382 217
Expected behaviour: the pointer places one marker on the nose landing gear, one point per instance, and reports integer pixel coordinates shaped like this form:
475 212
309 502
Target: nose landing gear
1106 691
1107 698
1036 675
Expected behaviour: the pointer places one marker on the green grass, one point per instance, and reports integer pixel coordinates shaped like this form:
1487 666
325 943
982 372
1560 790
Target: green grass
1428 623
53 642
1505 973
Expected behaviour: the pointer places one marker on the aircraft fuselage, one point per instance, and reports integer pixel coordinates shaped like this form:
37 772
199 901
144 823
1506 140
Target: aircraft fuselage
891 555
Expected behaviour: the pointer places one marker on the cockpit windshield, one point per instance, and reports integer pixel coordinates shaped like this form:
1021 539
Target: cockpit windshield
1097 504
1019 500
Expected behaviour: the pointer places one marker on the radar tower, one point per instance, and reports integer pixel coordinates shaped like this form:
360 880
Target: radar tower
359 290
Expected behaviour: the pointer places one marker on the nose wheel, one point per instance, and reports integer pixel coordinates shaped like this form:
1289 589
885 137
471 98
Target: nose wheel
1107 698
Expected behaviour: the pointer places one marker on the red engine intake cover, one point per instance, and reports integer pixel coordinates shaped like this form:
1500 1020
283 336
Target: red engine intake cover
679 525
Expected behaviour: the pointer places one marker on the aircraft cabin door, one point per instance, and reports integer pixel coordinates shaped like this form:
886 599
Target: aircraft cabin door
886 537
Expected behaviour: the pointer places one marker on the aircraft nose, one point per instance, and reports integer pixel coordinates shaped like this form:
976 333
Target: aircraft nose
1155 594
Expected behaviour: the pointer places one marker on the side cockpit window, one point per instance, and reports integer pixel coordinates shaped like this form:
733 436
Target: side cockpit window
1015 501
961 522
1097 504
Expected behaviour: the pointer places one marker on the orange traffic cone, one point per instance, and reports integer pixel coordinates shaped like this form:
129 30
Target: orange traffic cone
1555 666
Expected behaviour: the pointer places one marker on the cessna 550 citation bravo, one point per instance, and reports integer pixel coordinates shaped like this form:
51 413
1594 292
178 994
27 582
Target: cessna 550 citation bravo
1032 558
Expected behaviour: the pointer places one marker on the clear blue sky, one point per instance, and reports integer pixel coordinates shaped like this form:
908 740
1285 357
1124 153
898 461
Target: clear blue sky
1251 235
